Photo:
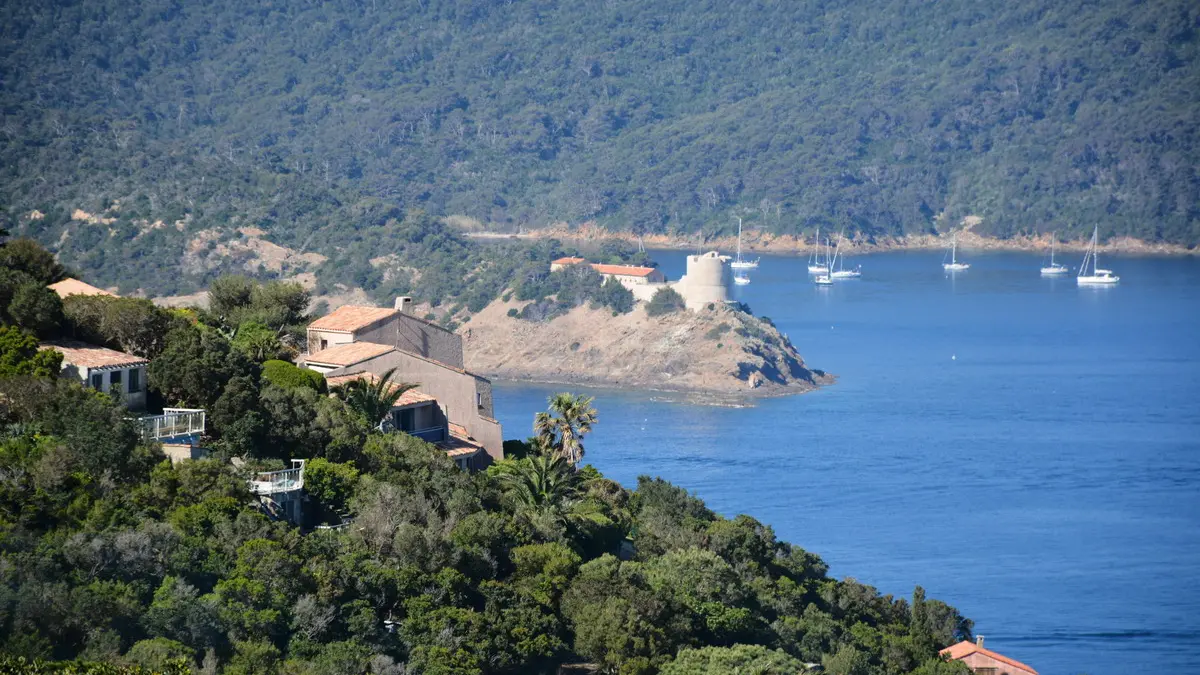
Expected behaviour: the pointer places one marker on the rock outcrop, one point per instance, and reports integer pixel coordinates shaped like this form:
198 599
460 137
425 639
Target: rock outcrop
717 352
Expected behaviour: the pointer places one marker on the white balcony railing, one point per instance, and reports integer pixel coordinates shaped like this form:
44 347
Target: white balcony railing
173 422
274 482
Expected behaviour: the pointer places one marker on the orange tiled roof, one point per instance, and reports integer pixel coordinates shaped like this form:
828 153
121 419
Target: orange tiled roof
349 318
459 444
411 397
567 261
76 287
348 354
84 355
623 270
966 648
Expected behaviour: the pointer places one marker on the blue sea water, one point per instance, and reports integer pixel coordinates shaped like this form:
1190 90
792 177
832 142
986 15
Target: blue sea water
1026 450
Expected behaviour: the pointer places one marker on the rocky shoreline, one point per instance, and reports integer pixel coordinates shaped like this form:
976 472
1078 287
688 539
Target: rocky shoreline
763 242
718 356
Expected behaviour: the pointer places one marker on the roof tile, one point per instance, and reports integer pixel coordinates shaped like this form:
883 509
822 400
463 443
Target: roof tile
348 354
966 648
76 287
349 318
84 355
624 270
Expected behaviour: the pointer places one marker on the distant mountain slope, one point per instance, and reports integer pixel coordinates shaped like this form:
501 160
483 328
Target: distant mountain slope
317 121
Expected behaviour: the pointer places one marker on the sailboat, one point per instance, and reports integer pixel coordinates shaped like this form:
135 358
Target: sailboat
738 263
954 265
823 278
1054 268
841 273
740 279
1098 277
815 266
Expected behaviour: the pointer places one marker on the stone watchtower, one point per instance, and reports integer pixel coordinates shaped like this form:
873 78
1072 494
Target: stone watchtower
707 280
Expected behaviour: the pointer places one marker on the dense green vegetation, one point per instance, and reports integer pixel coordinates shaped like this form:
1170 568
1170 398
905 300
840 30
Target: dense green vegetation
324 124
111 555
558 292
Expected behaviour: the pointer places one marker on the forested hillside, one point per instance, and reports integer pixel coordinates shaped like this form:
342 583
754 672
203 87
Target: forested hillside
317 122
399 562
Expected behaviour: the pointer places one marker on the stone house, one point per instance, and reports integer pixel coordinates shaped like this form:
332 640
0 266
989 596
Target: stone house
985 661
368 341
418 414
104 370
627 275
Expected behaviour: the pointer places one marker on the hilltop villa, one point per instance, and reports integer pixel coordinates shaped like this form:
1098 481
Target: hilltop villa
451 407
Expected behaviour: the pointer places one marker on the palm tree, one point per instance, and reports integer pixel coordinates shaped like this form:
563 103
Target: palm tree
539 483
372 398
562 433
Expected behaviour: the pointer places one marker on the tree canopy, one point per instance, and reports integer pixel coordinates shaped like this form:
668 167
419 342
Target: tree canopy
145 140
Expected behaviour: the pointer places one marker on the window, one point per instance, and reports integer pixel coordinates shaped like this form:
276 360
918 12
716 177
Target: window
135 384
478 399
98 381
408 420
324 344
114 382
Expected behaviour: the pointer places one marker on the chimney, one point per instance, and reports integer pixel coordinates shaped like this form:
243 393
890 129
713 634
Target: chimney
979 641
403 304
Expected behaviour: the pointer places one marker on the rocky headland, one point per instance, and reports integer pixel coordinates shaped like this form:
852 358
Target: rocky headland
720 354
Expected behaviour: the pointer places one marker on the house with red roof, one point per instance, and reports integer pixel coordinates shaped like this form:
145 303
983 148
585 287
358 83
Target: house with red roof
985 661
104 369
451 407
627 275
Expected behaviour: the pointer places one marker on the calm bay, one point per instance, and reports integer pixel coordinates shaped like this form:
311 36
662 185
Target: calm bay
1026 450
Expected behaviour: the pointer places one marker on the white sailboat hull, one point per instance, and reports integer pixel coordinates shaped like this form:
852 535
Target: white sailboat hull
741 281
818 269
846 274
954 267
1097 280
823 280
1055 270
744 264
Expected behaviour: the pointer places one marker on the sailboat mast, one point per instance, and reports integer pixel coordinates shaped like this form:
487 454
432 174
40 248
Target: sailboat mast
1095 249
739 251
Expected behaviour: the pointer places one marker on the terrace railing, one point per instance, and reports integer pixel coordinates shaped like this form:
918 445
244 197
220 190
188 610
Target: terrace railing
275 482
173 422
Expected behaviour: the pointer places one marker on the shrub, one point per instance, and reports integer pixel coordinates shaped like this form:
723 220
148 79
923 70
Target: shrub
717 331
331 484
284 374
512 312
665 301
19 355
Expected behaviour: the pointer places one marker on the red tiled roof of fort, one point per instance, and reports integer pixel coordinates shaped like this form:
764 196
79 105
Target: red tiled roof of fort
966 648
623 270
76 287
410 397
567 261
348 354
90 356
349 318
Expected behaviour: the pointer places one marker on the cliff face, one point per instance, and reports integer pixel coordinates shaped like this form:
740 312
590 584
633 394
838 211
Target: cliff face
719 352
